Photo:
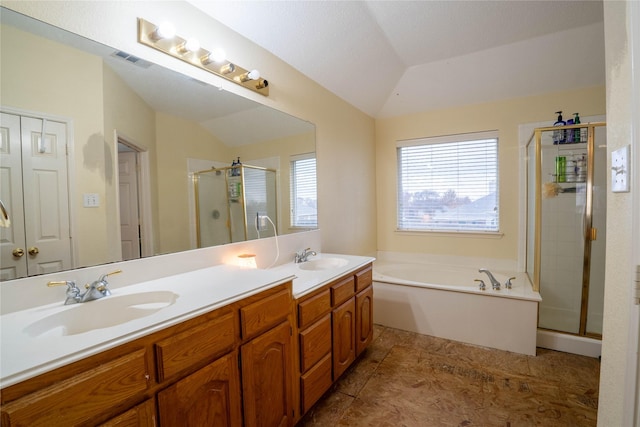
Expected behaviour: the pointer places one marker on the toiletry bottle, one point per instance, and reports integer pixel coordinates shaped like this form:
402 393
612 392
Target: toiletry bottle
578 132
561 169
559 135
570 132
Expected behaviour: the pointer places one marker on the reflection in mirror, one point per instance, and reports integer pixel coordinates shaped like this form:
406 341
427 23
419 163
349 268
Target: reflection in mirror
232 204
114 144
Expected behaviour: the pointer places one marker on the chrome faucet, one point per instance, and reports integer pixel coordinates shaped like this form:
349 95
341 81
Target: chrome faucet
304 255
96 290
494 283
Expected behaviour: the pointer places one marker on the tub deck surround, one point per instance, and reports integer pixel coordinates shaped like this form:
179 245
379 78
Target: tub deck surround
23 356
453 278
444 301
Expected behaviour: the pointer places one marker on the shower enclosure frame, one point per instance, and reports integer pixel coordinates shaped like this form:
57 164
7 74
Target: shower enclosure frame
242 199
589 232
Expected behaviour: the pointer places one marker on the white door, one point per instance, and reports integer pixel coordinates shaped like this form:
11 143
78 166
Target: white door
42 228
12 238
129 212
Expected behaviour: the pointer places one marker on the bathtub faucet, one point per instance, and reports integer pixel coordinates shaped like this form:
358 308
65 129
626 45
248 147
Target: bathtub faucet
494 283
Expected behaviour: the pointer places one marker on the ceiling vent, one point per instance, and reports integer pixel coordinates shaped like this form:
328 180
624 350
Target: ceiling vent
132 59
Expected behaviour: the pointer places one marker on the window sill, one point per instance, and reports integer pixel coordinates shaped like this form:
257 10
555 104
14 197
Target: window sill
460 234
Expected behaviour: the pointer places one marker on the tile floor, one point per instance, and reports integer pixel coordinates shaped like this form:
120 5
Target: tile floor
412 380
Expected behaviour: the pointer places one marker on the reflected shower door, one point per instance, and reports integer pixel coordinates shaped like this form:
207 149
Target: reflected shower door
212 212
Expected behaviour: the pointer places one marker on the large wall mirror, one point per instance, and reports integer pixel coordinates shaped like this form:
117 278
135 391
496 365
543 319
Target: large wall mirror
107 157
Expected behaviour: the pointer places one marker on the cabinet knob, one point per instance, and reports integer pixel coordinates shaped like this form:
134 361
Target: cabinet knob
18 252
33 251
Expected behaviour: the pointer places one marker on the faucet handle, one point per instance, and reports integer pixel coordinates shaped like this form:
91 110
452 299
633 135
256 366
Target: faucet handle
104 276
509 285
71 284
482 286
73 293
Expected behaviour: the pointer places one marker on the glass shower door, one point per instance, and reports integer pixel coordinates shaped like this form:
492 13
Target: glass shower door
567 223
563 209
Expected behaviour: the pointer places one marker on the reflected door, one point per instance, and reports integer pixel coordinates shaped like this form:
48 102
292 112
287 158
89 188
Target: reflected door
40 215
129 212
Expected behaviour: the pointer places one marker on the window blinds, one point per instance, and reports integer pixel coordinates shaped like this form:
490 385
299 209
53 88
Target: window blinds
449 183
304 211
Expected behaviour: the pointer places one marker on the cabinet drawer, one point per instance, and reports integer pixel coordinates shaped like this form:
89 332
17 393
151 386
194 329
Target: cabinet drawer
264 314
314 383
315 342
342 291
198 344
313 308
364 278
79 399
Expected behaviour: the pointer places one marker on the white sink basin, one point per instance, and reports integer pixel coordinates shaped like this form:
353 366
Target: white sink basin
103 313
323 264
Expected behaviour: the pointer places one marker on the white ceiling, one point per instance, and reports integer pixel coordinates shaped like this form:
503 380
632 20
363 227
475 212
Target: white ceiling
391 58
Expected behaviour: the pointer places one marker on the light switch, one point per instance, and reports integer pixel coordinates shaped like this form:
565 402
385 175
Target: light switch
620 170
91 200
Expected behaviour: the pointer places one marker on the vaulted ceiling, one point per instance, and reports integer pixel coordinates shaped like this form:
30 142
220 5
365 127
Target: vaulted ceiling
390 58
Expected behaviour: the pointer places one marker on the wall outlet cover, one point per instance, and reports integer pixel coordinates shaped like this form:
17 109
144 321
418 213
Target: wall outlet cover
620 170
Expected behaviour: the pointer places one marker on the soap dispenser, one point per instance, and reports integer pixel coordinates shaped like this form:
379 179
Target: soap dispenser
581 134
559 135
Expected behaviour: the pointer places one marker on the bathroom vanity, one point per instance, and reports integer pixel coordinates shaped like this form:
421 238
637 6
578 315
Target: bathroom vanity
260 353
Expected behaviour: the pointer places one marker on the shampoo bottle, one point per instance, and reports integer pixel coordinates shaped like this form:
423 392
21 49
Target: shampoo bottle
559 135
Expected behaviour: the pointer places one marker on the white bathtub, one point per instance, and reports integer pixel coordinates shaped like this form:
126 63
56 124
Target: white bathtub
444 301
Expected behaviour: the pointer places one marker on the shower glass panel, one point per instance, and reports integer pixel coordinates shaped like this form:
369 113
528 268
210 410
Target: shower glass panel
228 202
599 220
566 214
212 214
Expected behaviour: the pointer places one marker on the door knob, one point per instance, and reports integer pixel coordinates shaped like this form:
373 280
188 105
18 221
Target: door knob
18 252
33 250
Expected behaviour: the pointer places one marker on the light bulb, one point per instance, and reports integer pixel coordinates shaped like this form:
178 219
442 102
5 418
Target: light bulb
192 45
166 30
250 75
218 55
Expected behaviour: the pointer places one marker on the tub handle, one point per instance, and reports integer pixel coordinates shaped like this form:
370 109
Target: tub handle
482 286
509 285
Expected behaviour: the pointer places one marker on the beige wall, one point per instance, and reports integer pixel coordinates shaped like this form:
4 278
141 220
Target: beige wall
177 140
56 80
503 116
129 115
614 375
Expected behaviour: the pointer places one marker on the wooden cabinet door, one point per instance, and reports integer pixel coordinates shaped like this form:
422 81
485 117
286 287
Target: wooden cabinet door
208 397
267 379
364 319
344 341
143 415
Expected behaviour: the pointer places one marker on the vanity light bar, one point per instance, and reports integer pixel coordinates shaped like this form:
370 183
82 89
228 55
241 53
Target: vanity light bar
179 48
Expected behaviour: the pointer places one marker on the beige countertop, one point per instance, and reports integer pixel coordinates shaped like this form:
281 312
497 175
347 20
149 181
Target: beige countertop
43 338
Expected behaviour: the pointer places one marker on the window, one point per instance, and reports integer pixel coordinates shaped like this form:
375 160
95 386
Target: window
449 183
304 209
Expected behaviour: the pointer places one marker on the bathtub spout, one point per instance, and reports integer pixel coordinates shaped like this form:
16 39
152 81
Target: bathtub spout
494 283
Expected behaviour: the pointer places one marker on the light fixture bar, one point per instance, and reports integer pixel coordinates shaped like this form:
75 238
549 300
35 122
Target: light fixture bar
177 47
